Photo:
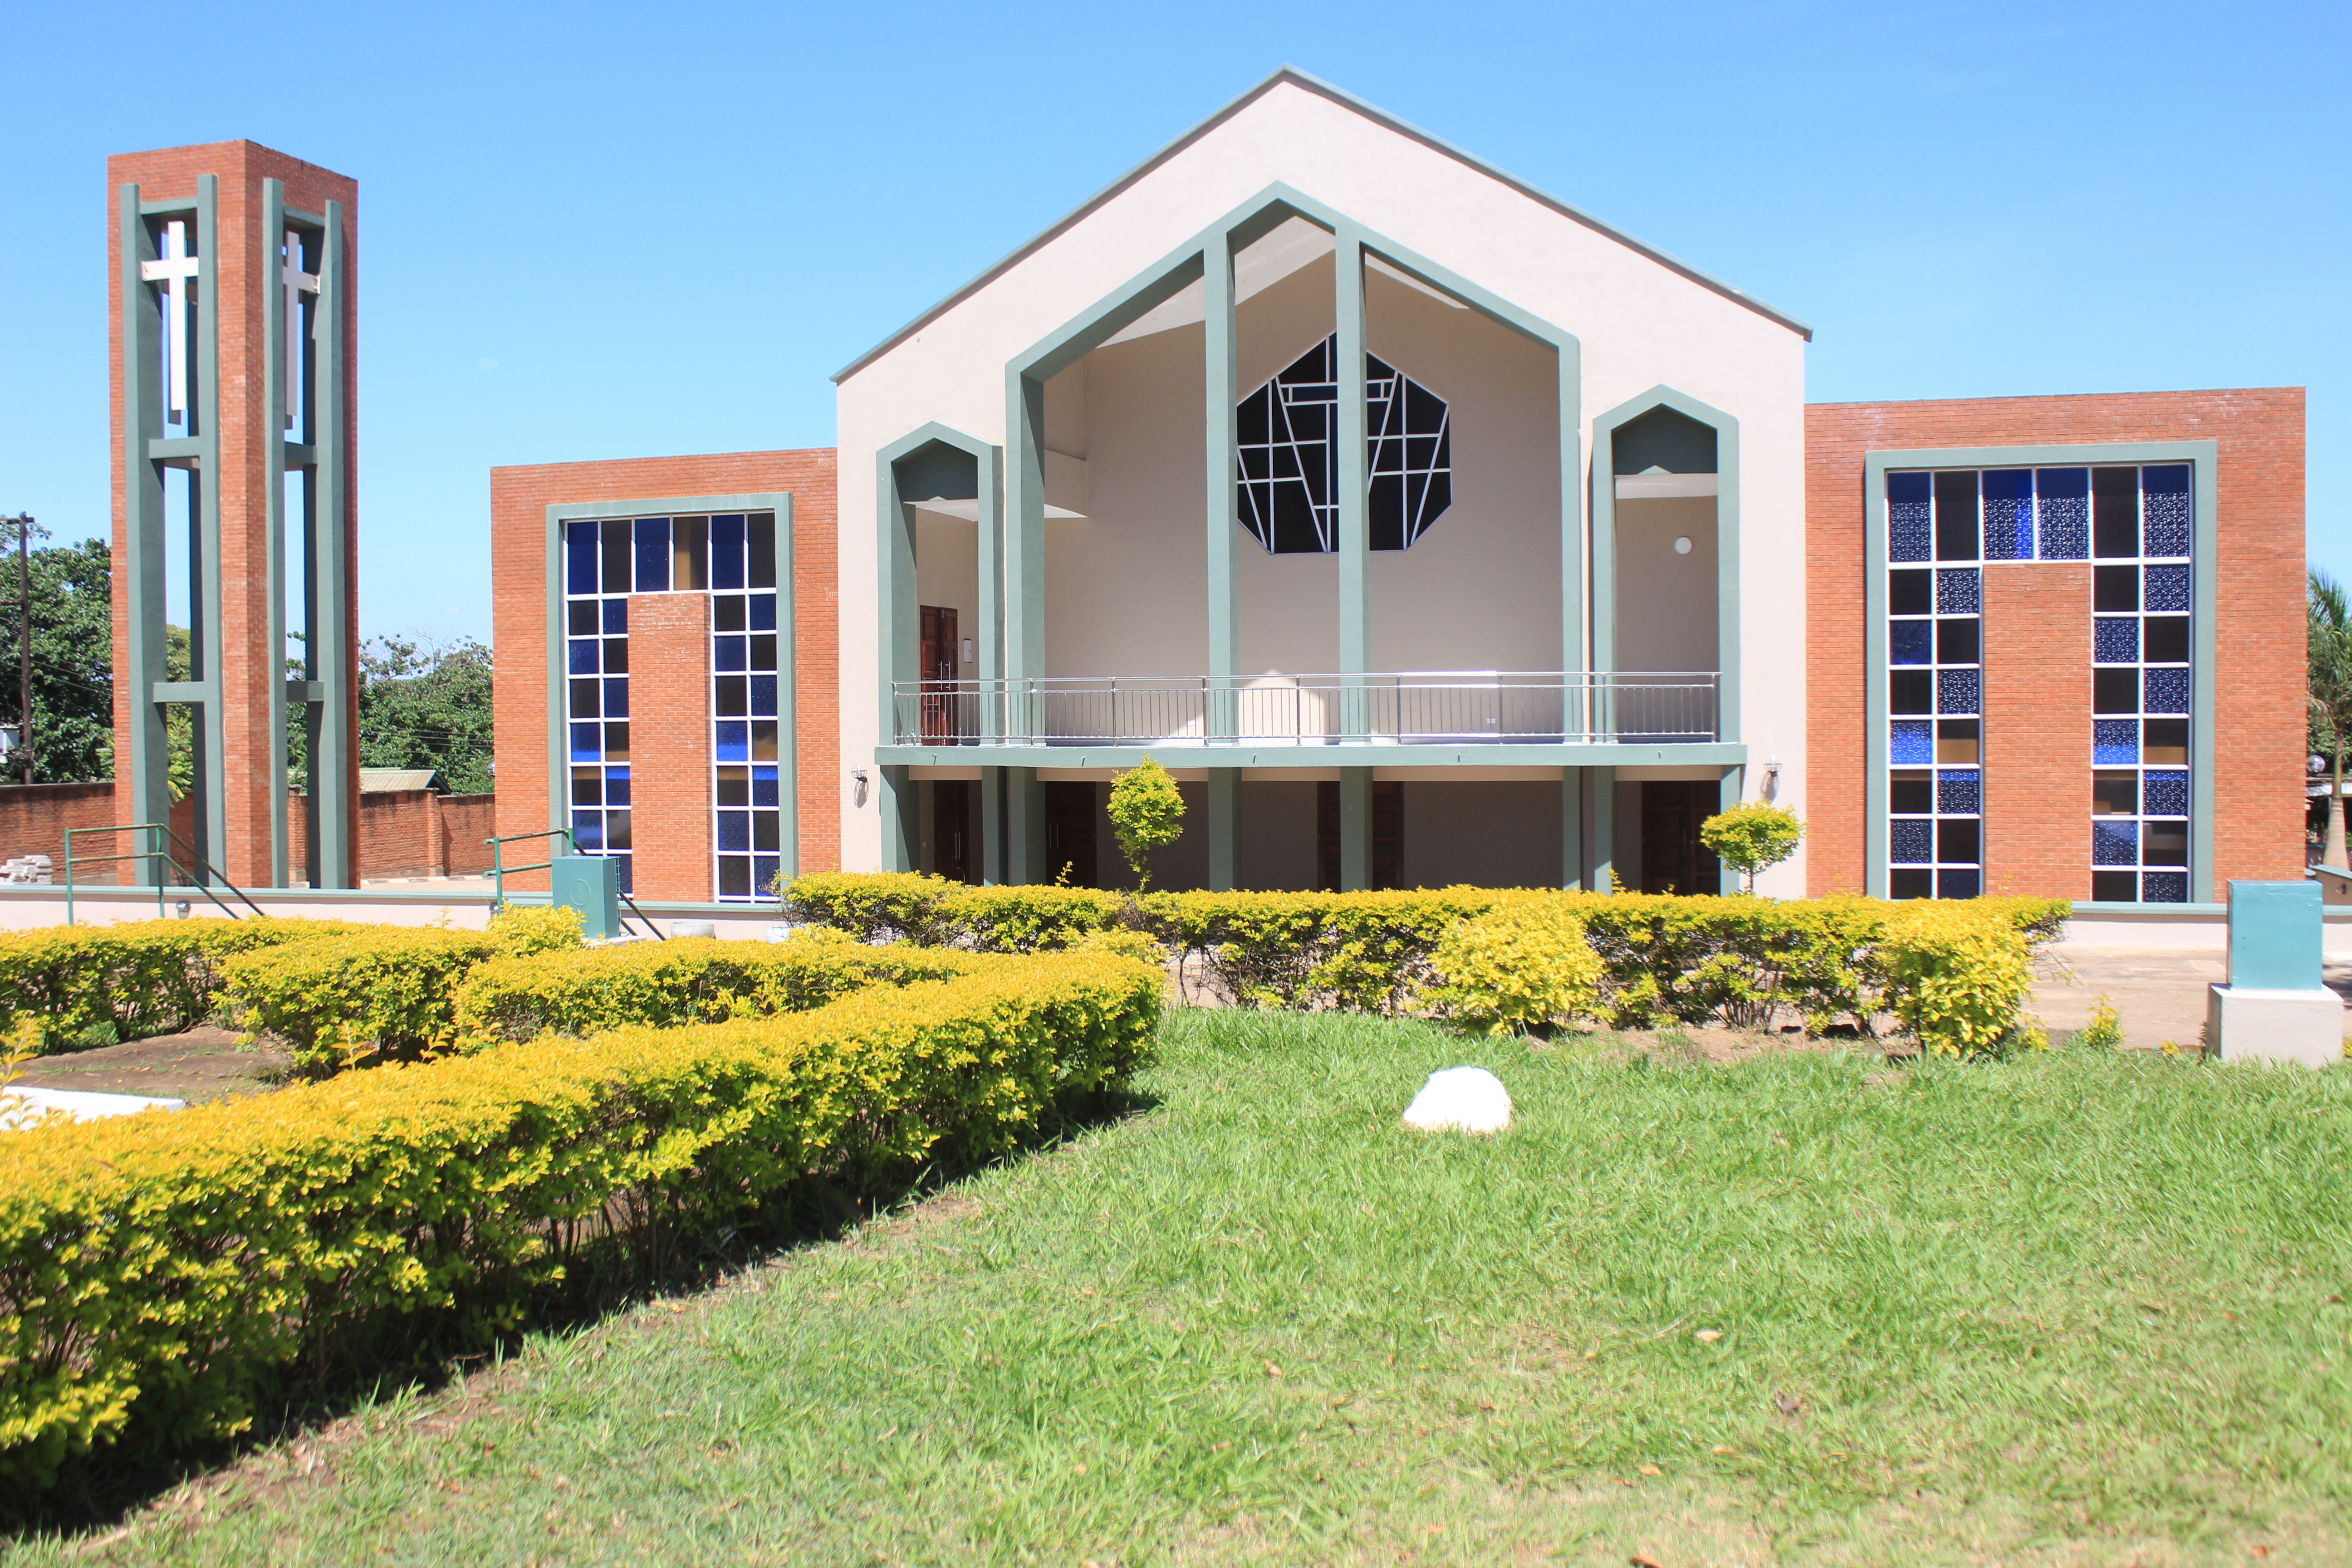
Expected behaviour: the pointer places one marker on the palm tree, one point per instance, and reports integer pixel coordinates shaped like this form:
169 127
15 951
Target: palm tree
2328 692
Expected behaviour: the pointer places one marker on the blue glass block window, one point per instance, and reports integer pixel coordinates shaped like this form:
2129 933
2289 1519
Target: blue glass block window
2166 794
2165 509
2063 512
1957 591
587 743
583 655
653 554
763 786
2165 888
764 612
734 740
2166 691
2167 589
1911 841
2009 514
1909 519
1912 743
1959 792
2115 843
1910 642
1959 691
579 557
2115 639
2115 743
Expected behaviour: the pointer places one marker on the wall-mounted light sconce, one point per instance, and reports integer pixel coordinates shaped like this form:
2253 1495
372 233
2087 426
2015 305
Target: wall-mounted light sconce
1771 778
857 786
967 650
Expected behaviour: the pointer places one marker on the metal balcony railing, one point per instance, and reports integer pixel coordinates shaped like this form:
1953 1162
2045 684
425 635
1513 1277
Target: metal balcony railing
1412 708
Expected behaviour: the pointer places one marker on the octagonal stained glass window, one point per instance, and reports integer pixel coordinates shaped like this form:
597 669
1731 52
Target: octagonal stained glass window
1289 482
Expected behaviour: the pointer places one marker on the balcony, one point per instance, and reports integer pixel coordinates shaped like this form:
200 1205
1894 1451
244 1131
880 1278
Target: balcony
1443 708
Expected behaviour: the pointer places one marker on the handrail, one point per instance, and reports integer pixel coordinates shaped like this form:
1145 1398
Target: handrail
1370 708
498 867
156 853
644 916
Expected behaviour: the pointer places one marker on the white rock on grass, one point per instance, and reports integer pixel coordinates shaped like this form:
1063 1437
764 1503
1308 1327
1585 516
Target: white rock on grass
1460 1100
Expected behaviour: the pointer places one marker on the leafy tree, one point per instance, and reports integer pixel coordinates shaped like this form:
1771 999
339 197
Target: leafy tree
428 705
2327 693
72 658
1752 835
1147 811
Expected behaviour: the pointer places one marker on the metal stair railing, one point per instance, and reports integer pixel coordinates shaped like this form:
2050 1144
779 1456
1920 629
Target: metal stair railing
159 831
500 869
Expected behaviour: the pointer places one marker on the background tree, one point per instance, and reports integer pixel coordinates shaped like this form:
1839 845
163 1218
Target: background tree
428 705
1752 835
1147 811
2328 694
73 662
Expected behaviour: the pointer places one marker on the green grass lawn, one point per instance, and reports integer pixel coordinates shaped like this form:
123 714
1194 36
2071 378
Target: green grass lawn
2083 1307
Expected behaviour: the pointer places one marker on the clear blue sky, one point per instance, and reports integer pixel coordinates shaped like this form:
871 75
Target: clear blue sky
593 231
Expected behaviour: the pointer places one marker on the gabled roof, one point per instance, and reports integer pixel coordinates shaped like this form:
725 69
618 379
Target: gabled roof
1299 79
384 781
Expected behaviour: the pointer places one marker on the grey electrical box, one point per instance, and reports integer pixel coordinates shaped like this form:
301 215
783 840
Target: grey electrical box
590 884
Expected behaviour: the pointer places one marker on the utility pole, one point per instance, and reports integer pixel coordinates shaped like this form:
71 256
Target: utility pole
24 522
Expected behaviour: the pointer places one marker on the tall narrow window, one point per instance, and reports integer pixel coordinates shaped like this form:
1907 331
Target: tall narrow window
1934 683
2140 684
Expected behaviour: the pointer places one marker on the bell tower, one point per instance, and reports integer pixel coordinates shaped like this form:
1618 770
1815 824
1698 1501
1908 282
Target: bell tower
233 311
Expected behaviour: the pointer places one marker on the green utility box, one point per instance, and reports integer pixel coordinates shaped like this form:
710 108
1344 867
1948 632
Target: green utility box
590 884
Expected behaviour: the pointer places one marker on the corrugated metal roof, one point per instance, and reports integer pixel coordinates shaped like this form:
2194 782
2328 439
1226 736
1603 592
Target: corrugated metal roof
384 781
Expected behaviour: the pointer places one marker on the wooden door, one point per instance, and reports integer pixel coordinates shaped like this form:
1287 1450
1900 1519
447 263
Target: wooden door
938 663
1388 835
1071 810
952 847
1674 860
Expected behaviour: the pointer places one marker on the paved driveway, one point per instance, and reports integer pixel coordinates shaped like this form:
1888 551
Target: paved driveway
2159 991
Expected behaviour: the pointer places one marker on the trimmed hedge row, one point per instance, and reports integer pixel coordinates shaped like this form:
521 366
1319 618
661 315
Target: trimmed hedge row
388 992
163 1277
668 985
78 983
1664 959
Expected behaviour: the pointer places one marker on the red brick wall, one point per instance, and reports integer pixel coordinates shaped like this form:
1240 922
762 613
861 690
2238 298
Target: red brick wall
2258 664
466 820
519 498
34 819
240 259
669 745
2037 729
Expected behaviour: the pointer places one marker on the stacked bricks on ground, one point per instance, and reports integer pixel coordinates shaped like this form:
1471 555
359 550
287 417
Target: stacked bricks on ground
241 262
2036 629
673 856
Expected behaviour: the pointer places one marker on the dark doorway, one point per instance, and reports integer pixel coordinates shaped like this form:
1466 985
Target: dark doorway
939 715
1070 812
952 837
1388 835
1673 858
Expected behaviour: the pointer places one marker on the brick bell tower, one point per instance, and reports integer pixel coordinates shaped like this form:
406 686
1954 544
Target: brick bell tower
232 307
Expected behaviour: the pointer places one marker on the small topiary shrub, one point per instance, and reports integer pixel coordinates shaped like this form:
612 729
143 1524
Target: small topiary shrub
1147 813
1520 968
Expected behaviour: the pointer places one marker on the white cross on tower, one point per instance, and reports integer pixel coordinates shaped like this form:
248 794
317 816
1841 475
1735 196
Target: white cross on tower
173 272
297 283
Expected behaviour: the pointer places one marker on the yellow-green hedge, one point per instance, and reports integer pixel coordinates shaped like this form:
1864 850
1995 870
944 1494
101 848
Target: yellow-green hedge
81 983
378 992
163 1277
667 985
1664 959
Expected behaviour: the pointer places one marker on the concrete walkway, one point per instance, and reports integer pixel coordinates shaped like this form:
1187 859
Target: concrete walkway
2158 991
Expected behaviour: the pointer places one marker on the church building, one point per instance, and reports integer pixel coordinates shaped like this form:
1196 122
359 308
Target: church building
1430 531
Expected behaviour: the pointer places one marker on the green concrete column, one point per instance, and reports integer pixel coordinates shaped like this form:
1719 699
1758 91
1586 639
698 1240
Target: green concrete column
1571 828
1026 851
992 827
1355 826
895 799
1224 829
1601 853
